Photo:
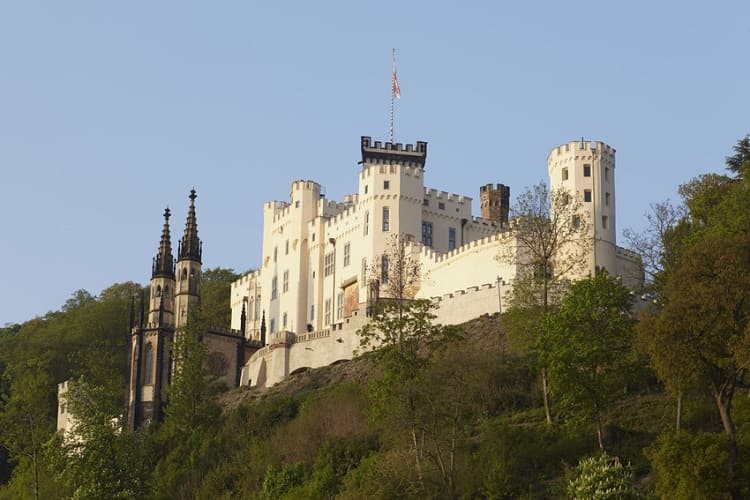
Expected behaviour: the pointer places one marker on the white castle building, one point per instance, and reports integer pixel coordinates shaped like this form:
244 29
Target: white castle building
308 297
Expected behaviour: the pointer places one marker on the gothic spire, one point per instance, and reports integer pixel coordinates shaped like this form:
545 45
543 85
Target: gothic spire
191 246
164 261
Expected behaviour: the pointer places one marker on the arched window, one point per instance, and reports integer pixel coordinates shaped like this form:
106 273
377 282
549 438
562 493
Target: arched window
166 291
158 291
148 364
184 274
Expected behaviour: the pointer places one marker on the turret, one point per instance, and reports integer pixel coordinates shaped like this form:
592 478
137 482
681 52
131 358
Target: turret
188 267
494 202
161 303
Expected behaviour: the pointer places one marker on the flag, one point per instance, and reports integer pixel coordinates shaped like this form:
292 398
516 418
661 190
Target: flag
396 89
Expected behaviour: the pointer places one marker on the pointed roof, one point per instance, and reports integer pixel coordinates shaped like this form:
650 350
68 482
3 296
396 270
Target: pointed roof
190 245
164 261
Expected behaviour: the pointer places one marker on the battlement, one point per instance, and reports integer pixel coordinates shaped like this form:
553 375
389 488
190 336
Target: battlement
248 276
349 210
576 146
464 291
444 195
389 152
489 188
305 185
627 254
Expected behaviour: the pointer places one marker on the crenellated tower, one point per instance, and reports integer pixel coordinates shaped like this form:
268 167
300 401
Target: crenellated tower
161 303
188 271
494 202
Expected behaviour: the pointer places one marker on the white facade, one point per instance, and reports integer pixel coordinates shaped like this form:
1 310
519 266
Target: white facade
318 254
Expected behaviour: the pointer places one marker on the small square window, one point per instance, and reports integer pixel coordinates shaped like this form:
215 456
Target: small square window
604 221
606 199
441 205
587 170
425 202
587 196
565 174
386 184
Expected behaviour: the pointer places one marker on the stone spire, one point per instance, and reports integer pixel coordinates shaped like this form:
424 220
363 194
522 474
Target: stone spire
163 265
191 246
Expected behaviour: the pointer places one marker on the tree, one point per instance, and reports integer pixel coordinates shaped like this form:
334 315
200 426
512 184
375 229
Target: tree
739 162
589 343
707 321
95 459
215 296
552 235
26 421
403 332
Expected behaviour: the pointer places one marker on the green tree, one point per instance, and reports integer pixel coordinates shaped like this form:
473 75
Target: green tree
551 232
95 459
589 344
707 321
215 296
26 415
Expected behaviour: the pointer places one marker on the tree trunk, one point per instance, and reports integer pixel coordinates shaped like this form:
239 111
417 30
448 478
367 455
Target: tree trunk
598 416
417 460
678 416
545 396
723 398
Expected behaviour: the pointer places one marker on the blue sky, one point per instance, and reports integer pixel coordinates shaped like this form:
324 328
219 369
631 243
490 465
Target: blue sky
109 111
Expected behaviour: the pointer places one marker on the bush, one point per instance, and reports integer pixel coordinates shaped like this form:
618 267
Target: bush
690 466
602 477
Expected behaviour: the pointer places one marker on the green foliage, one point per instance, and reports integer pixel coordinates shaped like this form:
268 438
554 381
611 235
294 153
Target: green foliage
588 346
215 290
691 466
278 482
602 477
96 460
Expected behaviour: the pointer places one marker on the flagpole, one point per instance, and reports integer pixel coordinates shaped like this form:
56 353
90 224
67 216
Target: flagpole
393 87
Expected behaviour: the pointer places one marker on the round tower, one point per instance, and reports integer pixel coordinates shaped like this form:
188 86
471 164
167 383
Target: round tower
586 169
188 272
161 301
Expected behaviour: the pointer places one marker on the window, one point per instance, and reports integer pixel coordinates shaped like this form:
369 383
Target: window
366 224
275 253
313 236
386 184
285 282
148 364
425 202
328 260
286 251
283 321
384 269
451 238
274 287
366 189
296 204
312 312
273 325
604 222
565 174
576 221
587 195
587 170
328 312
386 219
606 199
364 270
157 292
347 254
441 205
427 234
606 173
340 306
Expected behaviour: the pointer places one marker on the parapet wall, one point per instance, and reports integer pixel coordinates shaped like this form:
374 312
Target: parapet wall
461 306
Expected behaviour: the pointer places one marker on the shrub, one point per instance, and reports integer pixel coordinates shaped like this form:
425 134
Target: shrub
602 477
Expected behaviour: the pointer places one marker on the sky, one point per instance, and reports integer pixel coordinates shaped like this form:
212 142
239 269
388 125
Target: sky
110 111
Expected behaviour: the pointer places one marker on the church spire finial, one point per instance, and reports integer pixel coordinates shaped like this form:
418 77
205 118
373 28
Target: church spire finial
164 261
191 246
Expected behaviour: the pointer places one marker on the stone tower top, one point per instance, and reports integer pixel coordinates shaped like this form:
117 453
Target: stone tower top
163 265
390 152
494 202
191 247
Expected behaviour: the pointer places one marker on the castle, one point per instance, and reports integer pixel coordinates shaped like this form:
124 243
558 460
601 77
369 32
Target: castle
302 307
